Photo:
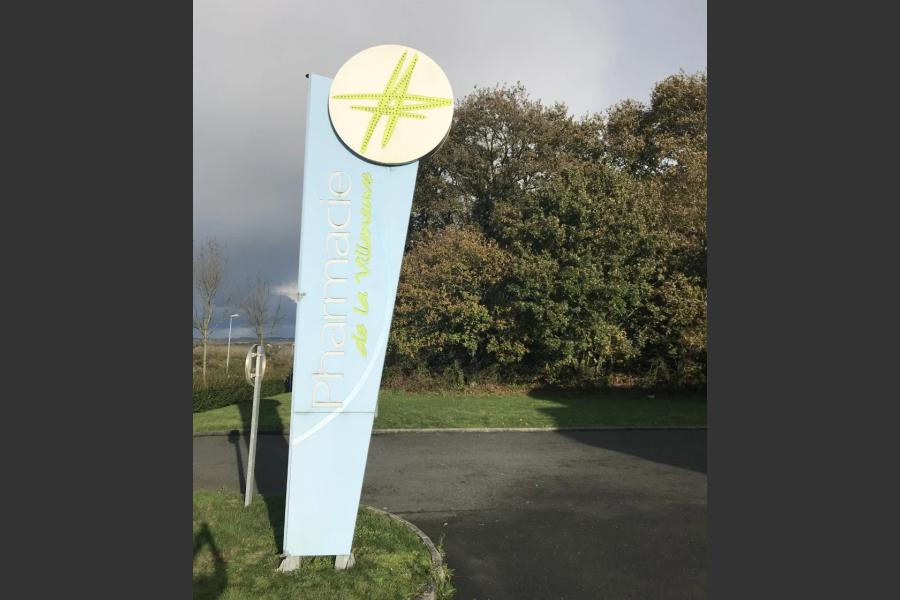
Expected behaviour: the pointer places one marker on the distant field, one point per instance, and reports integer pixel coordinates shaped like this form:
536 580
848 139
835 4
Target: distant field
279 357
404 410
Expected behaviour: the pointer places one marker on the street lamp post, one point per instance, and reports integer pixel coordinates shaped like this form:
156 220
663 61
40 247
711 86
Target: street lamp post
228 355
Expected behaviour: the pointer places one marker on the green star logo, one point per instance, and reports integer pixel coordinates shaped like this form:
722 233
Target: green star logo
394 103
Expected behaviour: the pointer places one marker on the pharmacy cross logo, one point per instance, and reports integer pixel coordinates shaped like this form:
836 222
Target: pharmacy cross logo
394 102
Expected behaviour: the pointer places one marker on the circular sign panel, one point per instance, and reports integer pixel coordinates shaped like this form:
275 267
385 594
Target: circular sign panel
391 104
249 364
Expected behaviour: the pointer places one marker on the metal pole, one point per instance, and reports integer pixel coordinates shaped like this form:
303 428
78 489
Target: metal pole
228 355
254 422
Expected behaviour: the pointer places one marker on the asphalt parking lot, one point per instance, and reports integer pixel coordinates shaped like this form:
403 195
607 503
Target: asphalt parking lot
596 514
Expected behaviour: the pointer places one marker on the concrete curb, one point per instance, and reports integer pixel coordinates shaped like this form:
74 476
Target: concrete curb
533 429
488 430
437 561
236 432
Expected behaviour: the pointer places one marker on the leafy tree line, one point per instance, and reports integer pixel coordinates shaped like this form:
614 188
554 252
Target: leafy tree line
547 248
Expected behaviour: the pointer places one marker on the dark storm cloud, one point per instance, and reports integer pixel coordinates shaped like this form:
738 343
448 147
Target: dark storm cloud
250 59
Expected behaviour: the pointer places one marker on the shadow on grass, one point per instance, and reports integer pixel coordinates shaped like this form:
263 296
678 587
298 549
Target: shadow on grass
270 471
235 438
209 586
557 392
628 408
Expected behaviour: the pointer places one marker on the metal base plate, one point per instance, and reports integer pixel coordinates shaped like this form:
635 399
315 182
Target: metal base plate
292 563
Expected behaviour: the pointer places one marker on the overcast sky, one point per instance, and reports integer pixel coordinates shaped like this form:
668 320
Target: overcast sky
250 58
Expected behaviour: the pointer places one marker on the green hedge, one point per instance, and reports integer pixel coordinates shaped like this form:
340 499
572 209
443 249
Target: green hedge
221 391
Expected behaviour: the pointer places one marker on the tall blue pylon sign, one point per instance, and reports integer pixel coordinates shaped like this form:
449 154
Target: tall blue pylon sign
387 107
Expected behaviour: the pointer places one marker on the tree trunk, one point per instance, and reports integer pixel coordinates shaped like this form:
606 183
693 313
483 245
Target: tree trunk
204 362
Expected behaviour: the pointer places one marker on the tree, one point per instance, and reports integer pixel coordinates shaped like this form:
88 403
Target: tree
209 271
664 146
448 317
257 305
501 147
532 179
599 224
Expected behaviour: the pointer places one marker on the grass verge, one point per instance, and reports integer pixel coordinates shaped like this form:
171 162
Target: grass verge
404 410
236 556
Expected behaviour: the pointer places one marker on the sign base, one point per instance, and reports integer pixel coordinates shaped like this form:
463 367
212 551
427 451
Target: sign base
292 563
344 561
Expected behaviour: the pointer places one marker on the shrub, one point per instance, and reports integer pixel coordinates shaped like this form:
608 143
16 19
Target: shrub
224 391
447 318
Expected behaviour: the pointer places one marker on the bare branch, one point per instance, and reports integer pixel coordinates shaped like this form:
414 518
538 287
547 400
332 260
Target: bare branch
257 305
209 271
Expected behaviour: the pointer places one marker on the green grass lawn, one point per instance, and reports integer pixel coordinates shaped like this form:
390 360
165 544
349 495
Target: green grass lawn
236 556
403 410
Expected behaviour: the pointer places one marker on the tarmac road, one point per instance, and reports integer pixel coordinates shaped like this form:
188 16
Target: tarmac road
596 514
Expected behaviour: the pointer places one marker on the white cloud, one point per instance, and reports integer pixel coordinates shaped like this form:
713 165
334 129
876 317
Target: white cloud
289 291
